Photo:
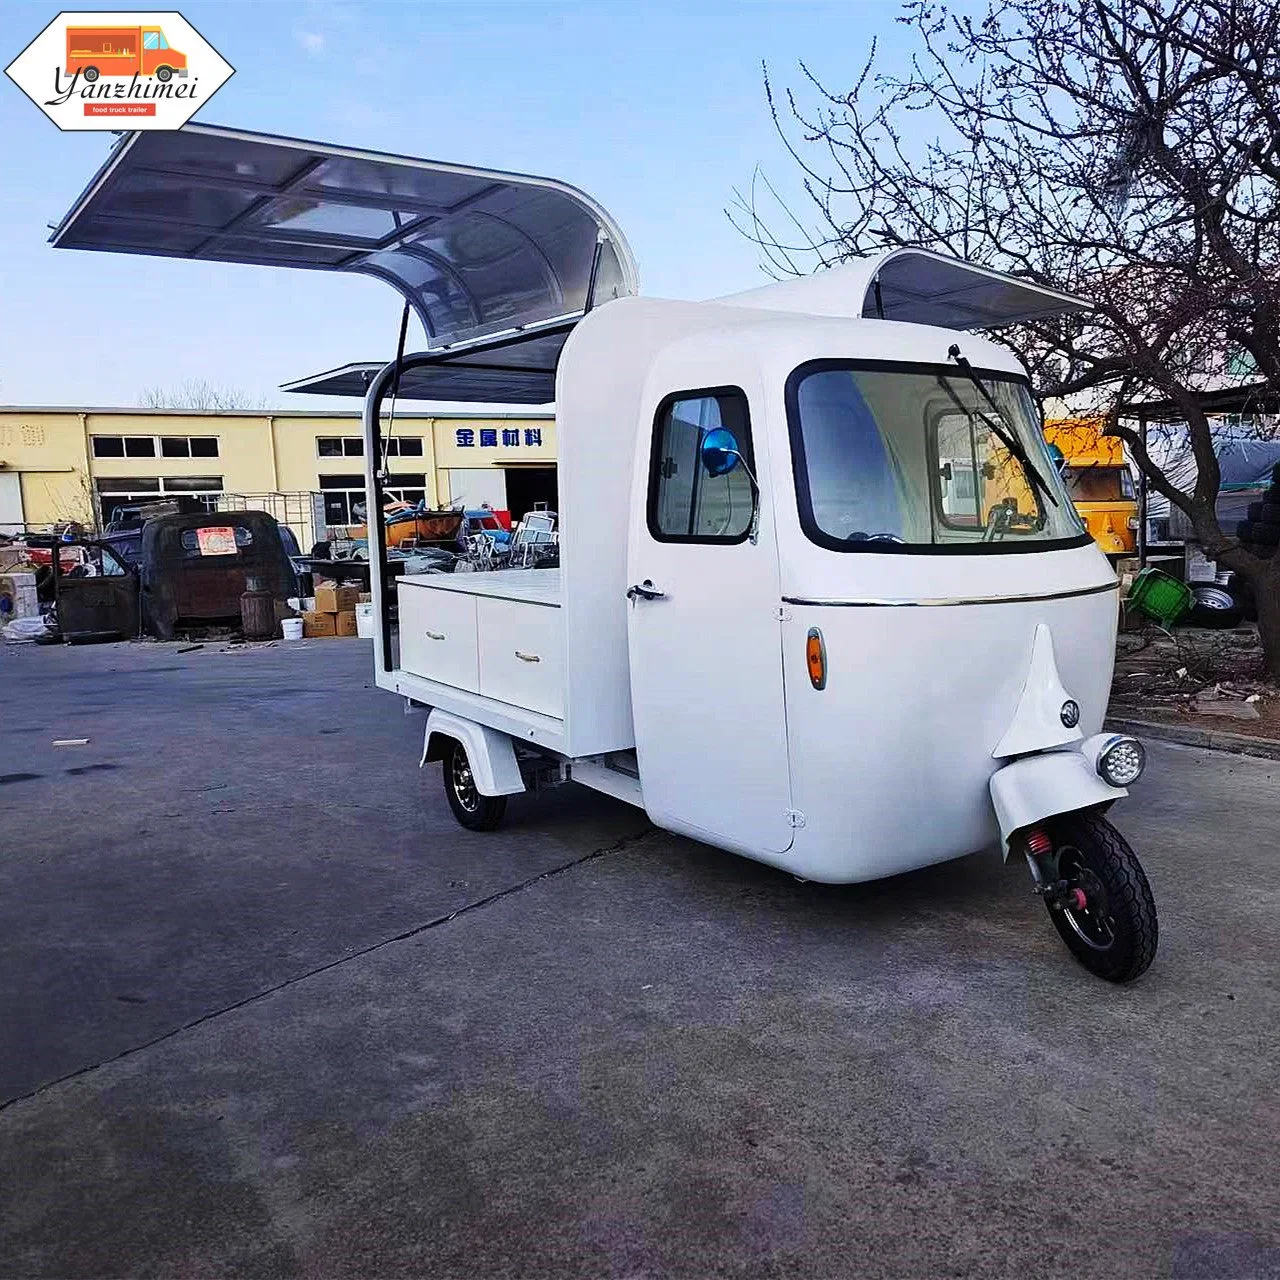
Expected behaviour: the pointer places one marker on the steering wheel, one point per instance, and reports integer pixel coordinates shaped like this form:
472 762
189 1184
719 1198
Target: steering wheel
876 537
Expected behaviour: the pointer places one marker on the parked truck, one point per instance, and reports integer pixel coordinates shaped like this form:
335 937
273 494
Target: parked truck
1099 482
122 51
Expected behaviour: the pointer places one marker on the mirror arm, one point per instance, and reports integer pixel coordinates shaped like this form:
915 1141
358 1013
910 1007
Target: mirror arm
753 533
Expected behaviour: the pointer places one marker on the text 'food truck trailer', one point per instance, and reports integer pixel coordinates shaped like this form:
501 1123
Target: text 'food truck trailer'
822 598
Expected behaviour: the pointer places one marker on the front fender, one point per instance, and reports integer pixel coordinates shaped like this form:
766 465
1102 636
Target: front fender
491 754
1042 786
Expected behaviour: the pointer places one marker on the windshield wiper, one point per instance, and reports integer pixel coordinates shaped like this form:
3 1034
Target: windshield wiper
1006 434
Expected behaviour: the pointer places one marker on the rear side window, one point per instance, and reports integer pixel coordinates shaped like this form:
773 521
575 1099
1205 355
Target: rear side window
687 502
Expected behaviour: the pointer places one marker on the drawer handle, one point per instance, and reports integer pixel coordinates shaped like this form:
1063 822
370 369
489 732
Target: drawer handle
435 635
527 657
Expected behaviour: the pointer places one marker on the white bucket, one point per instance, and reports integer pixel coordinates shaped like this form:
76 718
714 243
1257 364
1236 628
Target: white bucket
292 628
364 621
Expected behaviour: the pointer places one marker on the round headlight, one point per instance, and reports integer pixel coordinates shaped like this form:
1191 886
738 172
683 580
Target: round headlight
1122 761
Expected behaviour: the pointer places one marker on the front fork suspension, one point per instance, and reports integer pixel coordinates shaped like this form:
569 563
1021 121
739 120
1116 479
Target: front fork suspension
1057 894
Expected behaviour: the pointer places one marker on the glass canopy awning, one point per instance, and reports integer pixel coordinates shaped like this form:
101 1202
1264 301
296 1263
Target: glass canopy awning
518 369
474 251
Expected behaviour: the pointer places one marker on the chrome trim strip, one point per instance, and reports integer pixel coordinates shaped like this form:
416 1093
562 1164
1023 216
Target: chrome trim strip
945 601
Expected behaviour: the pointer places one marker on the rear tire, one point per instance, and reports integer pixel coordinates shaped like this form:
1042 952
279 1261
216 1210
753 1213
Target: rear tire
1116 933
90 74
470 808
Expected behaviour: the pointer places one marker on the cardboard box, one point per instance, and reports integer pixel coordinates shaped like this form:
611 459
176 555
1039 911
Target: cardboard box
316 624
336 599
346 622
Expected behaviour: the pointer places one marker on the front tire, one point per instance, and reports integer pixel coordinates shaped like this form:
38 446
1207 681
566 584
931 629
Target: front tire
164 74
1113 931
472 810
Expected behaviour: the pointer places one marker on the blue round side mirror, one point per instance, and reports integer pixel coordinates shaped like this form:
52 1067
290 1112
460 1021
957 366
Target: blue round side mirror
720 453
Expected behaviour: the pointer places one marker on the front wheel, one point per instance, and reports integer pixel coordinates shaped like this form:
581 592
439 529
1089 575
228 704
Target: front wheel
472 810
1100 903
164 74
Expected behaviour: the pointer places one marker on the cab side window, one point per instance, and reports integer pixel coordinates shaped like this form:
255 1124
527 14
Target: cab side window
688 501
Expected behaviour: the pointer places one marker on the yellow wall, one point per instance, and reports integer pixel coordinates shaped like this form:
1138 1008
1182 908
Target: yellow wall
47 450
257 452
244 448
299 465
449 453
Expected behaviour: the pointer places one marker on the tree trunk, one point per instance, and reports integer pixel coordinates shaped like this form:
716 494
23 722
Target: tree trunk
1263 576
1266 590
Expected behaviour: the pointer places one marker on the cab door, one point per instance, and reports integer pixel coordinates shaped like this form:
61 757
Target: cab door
704 633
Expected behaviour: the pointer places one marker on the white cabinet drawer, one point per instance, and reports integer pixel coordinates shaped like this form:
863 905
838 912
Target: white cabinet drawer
438 636
522 654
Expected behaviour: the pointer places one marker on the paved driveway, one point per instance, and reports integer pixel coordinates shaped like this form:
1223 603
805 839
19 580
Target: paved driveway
264 1009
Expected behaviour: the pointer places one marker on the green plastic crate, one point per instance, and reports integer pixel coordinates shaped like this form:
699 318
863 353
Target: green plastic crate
1159 596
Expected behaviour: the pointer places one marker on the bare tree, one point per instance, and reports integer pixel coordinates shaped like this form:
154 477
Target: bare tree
196 393
1124 150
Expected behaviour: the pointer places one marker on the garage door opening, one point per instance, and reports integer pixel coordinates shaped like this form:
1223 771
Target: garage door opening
528 487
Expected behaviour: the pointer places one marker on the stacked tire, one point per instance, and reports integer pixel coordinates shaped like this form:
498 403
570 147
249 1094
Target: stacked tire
1260 533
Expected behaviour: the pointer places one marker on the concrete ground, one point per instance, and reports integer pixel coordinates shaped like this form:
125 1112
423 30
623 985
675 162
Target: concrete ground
265 1010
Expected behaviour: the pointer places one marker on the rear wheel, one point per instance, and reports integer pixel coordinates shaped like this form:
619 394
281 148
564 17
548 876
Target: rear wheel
1214 606
472 810
90 74
1101 903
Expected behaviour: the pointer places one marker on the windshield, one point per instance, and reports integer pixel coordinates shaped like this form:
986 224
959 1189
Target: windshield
895 456
1098 484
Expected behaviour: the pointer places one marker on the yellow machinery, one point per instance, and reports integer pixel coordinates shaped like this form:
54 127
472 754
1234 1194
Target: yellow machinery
1098 480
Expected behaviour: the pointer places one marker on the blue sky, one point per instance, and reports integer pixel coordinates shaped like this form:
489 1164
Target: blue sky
657 109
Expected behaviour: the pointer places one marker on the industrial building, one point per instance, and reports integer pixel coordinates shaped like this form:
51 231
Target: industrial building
71 464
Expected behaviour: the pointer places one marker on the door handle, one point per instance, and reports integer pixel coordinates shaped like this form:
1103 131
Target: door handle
435 635
645 591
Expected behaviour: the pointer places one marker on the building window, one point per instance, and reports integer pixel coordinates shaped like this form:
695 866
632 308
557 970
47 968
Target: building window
145 446
408 487
124 446
353 447
192 484
124 491
404 447
344 500
188 446
129 484
340 446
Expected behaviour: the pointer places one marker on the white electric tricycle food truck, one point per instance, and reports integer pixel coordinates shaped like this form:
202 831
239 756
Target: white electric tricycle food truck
822 600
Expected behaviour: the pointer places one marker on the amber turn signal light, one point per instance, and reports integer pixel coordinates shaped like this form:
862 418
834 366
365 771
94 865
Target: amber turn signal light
815 656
